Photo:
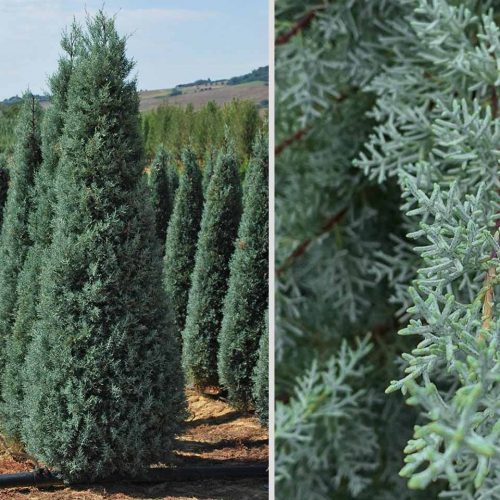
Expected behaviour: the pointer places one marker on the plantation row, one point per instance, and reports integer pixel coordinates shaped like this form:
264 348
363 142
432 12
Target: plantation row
175 126
111 285
217 293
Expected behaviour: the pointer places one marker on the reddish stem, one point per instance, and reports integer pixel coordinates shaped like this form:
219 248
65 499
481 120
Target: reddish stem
301 24
303 245
289 140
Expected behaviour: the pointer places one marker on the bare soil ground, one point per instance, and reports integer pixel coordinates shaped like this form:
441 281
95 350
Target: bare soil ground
215 434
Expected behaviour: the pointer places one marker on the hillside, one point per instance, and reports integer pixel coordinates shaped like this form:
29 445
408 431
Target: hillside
199 95
252 86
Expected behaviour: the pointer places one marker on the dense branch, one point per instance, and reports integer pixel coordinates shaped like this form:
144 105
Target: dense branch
299 135
303 245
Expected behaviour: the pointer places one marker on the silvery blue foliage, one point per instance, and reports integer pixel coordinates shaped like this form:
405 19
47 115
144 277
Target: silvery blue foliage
397 104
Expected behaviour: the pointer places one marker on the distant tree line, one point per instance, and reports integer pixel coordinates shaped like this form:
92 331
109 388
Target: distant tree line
8 119
257 75
175 126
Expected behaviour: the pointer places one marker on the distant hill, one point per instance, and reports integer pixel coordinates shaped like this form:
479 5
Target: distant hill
252 86
257 75
199 95
16 99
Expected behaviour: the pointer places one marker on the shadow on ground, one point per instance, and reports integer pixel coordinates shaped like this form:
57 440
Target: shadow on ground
215 435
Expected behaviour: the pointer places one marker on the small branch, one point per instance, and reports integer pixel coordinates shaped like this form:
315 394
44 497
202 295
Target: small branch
289 140
303 245
297 136
301 24
489 298
489 284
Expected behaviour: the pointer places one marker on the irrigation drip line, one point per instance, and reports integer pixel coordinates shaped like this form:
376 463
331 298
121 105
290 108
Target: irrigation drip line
44 477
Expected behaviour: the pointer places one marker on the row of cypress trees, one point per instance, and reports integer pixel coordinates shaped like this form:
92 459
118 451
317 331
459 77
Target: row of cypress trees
103 278
91 380
216 267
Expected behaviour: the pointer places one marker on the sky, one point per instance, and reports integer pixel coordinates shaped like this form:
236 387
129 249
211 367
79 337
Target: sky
172 41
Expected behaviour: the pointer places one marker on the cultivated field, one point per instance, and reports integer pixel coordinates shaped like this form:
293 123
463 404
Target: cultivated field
198 96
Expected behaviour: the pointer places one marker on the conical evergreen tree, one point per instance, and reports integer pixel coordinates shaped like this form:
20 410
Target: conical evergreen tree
261 375
15 239
219 226
247 294
164 182
182 237
208 167
40 231
4 185
104 390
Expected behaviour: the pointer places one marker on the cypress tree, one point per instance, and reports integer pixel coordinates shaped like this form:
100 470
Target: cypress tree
104 385
40 231
208 167
164 182
219 226
260 389
247 294
4 185
15 239
182 236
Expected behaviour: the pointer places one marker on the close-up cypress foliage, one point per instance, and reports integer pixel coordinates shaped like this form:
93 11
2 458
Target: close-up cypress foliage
15 239
40 232
164 181
387 204
247 294
219 226
104 388
260 389
182 238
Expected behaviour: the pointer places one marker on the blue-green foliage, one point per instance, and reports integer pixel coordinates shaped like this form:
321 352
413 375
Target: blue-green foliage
4 184
387 203
40 231
260 381
182 238
163 181
104 386
246 299
219 227
329 407
15 238
208 167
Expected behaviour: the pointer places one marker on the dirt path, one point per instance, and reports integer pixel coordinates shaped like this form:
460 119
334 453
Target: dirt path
215 434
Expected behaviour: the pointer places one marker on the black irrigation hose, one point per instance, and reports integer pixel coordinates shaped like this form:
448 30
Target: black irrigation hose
35 478
44 477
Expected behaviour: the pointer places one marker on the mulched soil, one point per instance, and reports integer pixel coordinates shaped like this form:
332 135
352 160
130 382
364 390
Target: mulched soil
216 434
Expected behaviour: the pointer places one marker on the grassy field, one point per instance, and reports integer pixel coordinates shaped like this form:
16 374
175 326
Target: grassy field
200 95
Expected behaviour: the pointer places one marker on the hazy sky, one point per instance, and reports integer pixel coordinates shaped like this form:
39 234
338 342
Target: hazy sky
172 41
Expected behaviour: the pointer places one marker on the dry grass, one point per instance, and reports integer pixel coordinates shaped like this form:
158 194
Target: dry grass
215 434
254 91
